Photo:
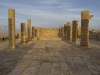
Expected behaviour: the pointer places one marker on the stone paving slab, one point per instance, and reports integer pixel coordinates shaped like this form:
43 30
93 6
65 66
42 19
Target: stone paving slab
49 58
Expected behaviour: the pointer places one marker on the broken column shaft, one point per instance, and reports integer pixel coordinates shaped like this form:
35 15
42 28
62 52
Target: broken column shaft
65 31
18 35
60 31
33 32
69 32
23 33
74 31
11 23
29 29
37 33
85 29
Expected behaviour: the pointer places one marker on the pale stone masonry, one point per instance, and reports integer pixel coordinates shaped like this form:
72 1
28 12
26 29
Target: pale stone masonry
19 36
78 32
29 29
26 34
65 31
85 29
60 31
37 33
69 32
74 30
11 25
23 33
33 32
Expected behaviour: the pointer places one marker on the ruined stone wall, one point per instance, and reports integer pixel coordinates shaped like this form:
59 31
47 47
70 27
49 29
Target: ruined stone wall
49 34
79 32
94 34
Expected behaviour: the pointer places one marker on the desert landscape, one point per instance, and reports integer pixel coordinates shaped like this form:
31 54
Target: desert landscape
62 40
50 51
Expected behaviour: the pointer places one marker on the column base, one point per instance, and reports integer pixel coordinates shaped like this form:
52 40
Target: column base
11 47
18 39
35 38
69 40
75 42
85 47
24 42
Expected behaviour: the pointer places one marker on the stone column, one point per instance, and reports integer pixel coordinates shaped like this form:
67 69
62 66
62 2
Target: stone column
74 31
69 32
78 32
33 32
23 33
62 33
29 29
37 33
19 36
26 34
11 23
65 31
85 29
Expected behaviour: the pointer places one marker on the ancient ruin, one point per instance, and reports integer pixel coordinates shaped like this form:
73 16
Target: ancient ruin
69 31
78 32
74 31
65 31
19 36
33 33
60 32
37 33
11 23
85 16
29 29
47 34
23 33
50 51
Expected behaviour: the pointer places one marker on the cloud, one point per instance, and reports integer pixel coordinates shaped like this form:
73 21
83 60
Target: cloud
3 27
44 13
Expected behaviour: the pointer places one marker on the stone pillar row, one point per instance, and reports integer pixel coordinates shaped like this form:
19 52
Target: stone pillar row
66 33
72 33
24 35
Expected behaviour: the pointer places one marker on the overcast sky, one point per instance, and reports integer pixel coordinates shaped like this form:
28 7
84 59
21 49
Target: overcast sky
50 13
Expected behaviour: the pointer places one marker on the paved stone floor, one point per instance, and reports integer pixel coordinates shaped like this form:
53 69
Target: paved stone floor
50 58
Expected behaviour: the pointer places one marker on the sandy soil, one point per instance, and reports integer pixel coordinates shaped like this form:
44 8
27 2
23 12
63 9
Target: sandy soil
3 35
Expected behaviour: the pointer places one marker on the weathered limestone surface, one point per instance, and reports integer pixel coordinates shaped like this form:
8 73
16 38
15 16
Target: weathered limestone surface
37 33
11 25
65 31
29 29
47 34
23 33
85 29
94 34
79 32
27 34
19 36
69 31
33 32
49 58
74 31
60 32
